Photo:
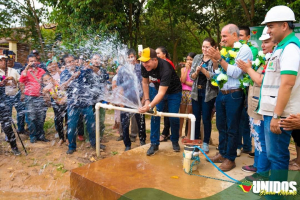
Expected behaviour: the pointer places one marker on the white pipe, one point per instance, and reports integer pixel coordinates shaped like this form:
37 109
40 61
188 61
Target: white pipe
97 130
159 114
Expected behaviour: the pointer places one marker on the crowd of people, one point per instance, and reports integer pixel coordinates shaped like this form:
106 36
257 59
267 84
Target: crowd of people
212 82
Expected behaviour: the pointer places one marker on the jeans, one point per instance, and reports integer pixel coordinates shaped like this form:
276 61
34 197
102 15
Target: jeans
173 106
277 151
261 161
89 120
5 121
20 108
204 109
229 108
80 127
134 127
125 120
167 125
244 132
60 112
35 116
152 92
166 130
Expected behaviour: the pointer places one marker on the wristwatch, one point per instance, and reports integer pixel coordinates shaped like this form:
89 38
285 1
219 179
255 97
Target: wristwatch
275 116
220 60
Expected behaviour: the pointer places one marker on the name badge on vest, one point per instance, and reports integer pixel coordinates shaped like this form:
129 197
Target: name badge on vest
272 65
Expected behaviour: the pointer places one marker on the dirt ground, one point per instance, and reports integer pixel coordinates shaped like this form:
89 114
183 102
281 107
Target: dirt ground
45 172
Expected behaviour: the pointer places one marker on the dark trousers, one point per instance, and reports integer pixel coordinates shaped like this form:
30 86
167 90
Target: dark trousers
60 112
229 109
167 125
5 120
296 137
35 116
125 120
244 132
20 108
203 109
80 126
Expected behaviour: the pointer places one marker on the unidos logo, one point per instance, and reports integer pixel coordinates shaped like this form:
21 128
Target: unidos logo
283 188
246 187
254 32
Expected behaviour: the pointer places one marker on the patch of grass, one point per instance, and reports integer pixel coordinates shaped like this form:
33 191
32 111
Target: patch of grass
109 112
80 164
108 130
48 153
114 152
148 131
46 165
33 164
49 124
60 167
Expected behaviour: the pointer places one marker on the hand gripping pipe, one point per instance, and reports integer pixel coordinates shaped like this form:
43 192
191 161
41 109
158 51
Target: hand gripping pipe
155 113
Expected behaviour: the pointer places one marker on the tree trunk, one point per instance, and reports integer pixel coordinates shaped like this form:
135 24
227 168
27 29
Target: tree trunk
37 26
175 59
193 34
252 10
246 11
130 25
137 22
217 23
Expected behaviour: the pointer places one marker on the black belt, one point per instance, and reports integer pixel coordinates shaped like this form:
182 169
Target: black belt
230 91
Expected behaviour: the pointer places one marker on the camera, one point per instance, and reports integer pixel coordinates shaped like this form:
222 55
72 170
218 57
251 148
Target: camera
35 65
2 77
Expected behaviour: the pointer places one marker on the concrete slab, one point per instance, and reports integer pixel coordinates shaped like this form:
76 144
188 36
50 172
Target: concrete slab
114 177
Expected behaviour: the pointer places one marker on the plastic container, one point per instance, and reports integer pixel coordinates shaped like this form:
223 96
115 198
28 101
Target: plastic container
187 158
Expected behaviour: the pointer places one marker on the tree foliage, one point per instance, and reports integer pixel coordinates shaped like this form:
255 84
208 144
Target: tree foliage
179 25
20 20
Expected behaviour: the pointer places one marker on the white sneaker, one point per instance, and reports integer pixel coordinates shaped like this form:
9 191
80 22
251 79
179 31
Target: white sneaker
238 152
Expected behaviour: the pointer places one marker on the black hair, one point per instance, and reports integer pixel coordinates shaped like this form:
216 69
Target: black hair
246 29
291 25
31 56
191 54
42 78
165 51
131 51
67 56
211 41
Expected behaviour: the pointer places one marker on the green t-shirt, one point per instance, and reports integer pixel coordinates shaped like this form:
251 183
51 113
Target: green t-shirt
254 51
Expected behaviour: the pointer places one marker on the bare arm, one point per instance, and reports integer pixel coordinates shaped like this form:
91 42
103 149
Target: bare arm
247 68
183 75
67 83
114 84
145 85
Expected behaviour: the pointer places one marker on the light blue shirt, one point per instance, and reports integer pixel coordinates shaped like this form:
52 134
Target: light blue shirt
233 72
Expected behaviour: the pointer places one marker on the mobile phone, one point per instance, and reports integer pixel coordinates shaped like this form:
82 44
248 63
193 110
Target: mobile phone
140 48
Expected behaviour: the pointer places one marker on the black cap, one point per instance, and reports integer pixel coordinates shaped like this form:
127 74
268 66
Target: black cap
35 52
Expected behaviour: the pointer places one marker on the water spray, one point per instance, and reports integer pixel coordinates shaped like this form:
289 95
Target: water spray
153 113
